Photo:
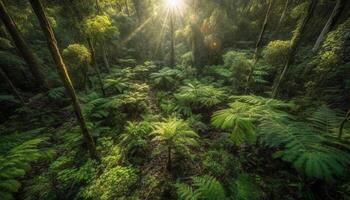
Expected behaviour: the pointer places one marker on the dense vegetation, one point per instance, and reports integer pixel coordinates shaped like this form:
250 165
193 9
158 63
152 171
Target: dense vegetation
175 99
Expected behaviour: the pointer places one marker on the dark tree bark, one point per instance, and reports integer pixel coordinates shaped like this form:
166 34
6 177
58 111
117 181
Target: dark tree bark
12 87
22 47
338 9
94 65
169 159
61 67
298 33
258 46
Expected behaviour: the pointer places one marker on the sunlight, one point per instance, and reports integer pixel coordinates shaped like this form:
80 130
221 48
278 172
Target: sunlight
172 4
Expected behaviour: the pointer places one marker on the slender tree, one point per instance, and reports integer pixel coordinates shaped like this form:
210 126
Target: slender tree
258 45
283 15
336 13
22 47
61 67
298 33
94 65
11 85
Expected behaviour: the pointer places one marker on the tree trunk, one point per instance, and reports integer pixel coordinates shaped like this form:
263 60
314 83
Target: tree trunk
104 56
127 7
338 9
257 46
12 87
23 49
172 38
283 15
95 67
52 44
169 159
298 33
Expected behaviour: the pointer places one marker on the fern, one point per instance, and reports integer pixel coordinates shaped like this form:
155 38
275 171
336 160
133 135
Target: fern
245 188
310 146
241 115
205 187
7 99
57 93
15 163
199 95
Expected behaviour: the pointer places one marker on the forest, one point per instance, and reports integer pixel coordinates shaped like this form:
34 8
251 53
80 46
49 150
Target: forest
175 99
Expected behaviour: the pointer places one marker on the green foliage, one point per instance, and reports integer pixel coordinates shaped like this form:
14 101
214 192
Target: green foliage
113 183
197 95
311 146
244 187
8 99
77 54
10 59
166 78
276 52
239 65
57 94
96 25
219 162
116 85
5 44
135 137
239 118
174 134
205 187
15 163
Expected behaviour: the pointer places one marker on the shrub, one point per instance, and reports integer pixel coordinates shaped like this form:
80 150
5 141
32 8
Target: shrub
113 183
276 52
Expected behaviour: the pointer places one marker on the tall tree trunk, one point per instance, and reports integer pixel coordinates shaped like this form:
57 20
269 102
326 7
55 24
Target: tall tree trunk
12 87
104 56
169 159
94 65
52 44
172 38
199 51
298 33
127 7
338 9
257 46
23 49
283 15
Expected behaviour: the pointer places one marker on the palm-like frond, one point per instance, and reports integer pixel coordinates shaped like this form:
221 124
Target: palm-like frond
310 147
205 187
15 164
200 95
176 133
239 118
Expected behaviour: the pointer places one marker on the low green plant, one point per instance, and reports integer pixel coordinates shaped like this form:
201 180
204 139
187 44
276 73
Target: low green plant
175 136
15 163
203 187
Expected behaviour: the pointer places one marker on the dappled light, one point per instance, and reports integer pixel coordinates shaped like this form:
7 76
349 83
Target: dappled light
174 100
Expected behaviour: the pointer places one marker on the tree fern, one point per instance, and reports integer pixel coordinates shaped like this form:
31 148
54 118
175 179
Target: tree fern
205 187
309 146
200 95
239 118
15 164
